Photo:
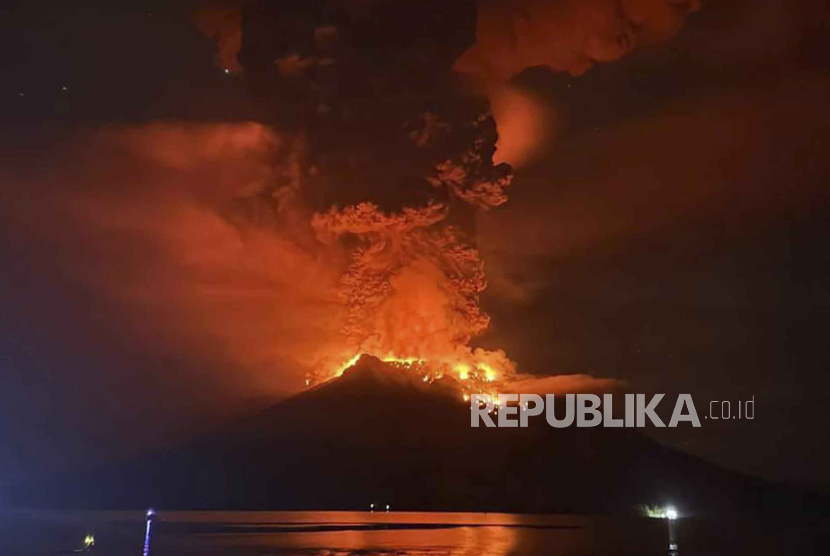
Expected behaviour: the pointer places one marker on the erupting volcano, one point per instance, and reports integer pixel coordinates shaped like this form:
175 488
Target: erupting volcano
340 216
379 433
411 289
397 150
373 262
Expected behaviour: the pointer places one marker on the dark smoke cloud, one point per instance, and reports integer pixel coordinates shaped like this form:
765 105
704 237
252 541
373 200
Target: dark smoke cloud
566 35
166 221
721 156
681 248
512 35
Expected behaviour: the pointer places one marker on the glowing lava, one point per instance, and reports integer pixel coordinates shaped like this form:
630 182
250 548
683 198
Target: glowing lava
472 378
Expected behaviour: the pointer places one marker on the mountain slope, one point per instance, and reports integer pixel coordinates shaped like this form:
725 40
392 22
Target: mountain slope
379 435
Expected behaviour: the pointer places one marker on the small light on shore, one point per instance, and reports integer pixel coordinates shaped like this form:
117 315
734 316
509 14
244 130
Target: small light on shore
671 513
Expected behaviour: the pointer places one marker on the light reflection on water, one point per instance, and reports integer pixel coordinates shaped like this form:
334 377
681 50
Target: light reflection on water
34 533
346 533
330 534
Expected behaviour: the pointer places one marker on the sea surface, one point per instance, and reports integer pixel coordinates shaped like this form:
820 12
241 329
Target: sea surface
33 533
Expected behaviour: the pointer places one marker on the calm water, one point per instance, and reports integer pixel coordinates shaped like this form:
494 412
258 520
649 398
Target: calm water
395 533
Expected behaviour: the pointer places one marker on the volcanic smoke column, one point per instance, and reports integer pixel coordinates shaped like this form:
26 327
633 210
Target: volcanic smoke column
412 287
396 157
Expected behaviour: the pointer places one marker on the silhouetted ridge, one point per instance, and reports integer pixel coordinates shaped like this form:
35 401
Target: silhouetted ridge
378 434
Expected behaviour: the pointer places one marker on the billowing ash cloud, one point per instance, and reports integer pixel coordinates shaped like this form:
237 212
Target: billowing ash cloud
195 232
207 239
490 40
412 287
511 35
408 278
347 227
566 35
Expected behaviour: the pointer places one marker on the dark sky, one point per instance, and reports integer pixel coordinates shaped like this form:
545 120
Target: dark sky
672 234
675 236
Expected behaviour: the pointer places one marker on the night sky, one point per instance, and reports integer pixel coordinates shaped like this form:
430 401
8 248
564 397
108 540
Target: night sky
672 233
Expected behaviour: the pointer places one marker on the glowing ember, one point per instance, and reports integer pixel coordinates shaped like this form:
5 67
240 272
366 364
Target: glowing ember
472 378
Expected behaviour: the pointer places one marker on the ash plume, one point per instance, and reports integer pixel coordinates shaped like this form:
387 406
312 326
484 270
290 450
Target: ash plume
207 237
194 232
510 35
344 225
566 35
412 288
